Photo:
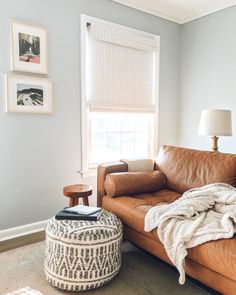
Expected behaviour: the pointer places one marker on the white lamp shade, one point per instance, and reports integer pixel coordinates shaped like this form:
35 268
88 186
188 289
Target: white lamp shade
215 123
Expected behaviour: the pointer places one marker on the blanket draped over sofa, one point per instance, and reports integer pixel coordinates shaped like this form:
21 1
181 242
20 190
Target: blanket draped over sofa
200 215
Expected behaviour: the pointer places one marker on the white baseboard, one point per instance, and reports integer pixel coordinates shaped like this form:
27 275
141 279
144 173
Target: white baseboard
22 230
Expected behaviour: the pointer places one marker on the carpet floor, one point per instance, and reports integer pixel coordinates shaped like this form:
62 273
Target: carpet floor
141 274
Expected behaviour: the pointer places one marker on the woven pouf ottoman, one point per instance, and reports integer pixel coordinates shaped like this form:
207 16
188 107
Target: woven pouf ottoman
82 255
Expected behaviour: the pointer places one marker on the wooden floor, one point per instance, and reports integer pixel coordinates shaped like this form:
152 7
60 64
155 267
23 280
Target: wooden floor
22 241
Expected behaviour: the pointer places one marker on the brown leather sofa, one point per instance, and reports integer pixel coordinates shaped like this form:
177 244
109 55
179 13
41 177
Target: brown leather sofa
212 263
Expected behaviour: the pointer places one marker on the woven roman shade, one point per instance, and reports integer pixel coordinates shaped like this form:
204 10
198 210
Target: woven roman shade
122 69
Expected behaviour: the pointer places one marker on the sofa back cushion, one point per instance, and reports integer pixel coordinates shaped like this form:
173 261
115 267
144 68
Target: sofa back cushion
125 183
188 168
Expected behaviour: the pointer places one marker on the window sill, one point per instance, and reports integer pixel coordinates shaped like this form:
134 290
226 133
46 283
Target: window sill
88 173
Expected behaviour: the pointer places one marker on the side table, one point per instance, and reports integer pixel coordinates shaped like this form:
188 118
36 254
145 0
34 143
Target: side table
76 191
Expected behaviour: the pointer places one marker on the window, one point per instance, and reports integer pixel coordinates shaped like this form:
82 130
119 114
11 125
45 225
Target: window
116 135
119 92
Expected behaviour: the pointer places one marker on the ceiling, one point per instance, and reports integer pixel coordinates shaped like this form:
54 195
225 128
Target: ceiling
179 11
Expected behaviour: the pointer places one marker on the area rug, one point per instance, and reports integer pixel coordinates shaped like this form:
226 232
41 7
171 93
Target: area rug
25 291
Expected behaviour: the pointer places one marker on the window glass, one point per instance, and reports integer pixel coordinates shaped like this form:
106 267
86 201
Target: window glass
119 135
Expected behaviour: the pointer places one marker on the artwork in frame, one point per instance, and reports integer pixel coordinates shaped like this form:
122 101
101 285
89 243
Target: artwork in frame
28 47
28 94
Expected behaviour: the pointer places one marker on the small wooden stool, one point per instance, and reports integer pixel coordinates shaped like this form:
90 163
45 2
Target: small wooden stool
76 191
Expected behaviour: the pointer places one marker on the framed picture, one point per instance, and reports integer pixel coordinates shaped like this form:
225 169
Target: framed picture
28 94
28 47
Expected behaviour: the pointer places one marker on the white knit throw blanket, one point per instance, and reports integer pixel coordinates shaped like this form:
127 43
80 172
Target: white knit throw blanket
200 215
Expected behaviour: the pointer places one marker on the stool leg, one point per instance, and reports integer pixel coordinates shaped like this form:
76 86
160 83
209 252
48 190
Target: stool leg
85 201
76 201
71 203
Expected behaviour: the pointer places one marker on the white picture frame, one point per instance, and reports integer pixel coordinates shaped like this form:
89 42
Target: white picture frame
25 94
29 47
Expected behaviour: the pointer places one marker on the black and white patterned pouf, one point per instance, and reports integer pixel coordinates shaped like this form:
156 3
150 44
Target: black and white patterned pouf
82 255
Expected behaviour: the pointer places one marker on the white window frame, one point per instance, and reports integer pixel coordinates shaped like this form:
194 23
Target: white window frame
87 171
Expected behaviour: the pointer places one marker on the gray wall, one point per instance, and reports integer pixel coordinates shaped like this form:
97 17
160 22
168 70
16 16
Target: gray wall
207 75
40 154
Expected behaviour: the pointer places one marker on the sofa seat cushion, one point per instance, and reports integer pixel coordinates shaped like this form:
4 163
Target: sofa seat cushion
132 209
219 256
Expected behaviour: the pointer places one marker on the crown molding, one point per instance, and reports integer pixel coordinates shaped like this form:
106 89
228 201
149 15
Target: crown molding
222 5
149 10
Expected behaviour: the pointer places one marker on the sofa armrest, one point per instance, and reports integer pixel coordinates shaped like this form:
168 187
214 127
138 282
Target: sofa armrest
102 172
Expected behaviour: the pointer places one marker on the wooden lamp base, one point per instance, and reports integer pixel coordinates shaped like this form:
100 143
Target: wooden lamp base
214 143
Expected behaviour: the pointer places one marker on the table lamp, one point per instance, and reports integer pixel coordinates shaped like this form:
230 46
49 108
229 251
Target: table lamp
215 123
